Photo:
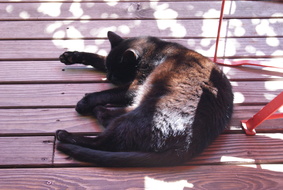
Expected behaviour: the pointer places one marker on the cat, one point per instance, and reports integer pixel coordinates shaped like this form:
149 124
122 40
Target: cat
171 103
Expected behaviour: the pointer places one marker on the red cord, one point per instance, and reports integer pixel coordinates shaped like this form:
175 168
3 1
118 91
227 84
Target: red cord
234 63
219 29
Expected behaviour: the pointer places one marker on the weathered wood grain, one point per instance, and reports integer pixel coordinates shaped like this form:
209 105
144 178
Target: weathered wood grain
56 72
29 151
98 28
47 95
45 121
47 72
242 149
226 149
67 95
51 49
162 28
140 10
252 177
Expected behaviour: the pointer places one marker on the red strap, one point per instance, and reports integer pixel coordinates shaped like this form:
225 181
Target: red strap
265 113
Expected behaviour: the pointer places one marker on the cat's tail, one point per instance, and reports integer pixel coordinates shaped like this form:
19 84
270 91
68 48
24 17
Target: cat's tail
122 159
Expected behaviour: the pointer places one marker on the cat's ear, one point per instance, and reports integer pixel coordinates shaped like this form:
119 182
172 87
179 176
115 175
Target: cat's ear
130 56
114 39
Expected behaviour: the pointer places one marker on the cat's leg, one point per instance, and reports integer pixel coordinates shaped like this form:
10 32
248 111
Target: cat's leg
100 142
106 115
70 138
118 96
95 60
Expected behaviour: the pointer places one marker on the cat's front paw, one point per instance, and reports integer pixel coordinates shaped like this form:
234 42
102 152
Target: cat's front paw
83 107
87 104
69 58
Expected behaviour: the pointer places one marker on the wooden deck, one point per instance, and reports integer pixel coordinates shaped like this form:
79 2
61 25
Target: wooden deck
38 93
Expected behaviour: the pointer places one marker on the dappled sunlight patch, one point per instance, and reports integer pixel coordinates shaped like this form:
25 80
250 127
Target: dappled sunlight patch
51 9
59 34
112 2
153 184
229 159
263 27
165 13
277 53
53 27
211 13
272 167
272 136
248 165
9 8
70 45
107 15
162 12
72 32
237 28
209 27
273 85
102 32
24 15
239 98
273 42
124 29
76 9
227 70
269 96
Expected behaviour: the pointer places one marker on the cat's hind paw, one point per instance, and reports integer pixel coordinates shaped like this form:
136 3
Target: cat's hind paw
69 58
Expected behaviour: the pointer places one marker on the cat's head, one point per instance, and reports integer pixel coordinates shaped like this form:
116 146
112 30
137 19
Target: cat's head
122 61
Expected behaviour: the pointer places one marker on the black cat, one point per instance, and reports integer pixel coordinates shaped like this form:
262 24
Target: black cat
176 102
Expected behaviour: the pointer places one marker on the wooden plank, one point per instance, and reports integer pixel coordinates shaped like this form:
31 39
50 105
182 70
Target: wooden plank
47 95
45 121
250 177
142 10
46 72
32 150
258 92
51 49
162 28
98 28
104 10
226 149
55 72
242 149
67 95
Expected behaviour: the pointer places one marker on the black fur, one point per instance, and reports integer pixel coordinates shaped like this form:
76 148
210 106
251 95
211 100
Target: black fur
175 102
